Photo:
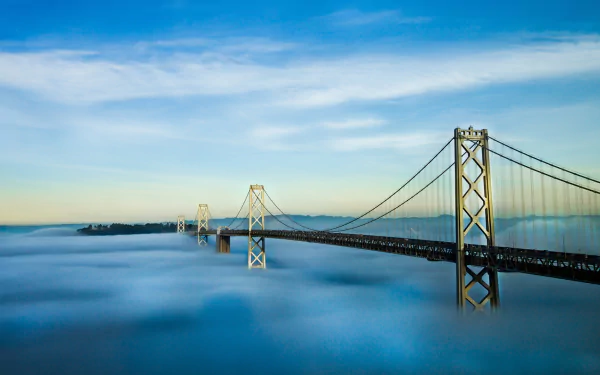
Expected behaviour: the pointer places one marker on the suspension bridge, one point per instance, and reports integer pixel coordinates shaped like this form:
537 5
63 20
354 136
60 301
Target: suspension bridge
532 217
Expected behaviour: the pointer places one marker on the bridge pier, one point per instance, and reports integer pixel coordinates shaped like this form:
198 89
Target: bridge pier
223 244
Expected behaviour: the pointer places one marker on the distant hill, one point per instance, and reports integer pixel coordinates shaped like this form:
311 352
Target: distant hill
117 229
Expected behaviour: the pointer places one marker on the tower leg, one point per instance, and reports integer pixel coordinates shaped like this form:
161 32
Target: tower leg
460 278
202 239
256 252
485 277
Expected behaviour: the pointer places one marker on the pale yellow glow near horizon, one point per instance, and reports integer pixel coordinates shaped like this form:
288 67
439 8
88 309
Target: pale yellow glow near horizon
106 200
141 203
144 202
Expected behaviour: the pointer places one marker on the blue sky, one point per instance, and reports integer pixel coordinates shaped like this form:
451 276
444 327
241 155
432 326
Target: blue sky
138 111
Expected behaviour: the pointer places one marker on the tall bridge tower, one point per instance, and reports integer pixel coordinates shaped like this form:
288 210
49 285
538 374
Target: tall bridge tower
473 196
203 216
180 224
256 221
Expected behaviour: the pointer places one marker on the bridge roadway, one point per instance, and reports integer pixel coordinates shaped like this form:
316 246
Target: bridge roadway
570 266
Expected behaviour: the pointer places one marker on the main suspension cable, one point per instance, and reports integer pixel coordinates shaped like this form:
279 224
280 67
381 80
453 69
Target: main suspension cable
543 173
236 215
276 218
417 193
401 204
545 162
240 224
287 216
394 193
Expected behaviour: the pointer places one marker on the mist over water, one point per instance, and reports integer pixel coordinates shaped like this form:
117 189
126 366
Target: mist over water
573 234
156 304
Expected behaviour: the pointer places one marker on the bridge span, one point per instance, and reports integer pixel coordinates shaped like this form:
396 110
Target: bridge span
568 266
548 218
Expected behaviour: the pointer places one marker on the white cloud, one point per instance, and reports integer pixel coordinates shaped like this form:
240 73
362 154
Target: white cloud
386 77
183 42
354 123
83 78
277 138
238 44
353 17
388 141
273 132
256 45
128 130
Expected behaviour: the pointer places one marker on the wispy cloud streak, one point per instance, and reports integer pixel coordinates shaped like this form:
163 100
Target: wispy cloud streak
75 77
354 17
387 141
354 124
277 138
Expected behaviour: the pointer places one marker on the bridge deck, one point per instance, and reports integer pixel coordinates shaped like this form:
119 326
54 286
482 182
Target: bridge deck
570 266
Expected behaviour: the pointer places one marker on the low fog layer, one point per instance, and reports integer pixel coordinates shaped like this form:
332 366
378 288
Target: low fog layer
157 304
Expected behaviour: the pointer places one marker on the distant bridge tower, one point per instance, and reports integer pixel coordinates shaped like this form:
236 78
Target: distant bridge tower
180 224
203 216
256 221
473 196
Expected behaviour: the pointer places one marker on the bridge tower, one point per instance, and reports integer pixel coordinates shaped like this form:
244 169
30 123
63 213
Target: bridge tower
180 224
473 196
256 221
203 216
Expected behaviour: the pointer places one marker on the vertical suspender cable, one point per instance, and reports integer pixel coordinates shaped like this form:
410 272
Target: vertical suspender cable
534 233
566 214
581 232
544 219
522 198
